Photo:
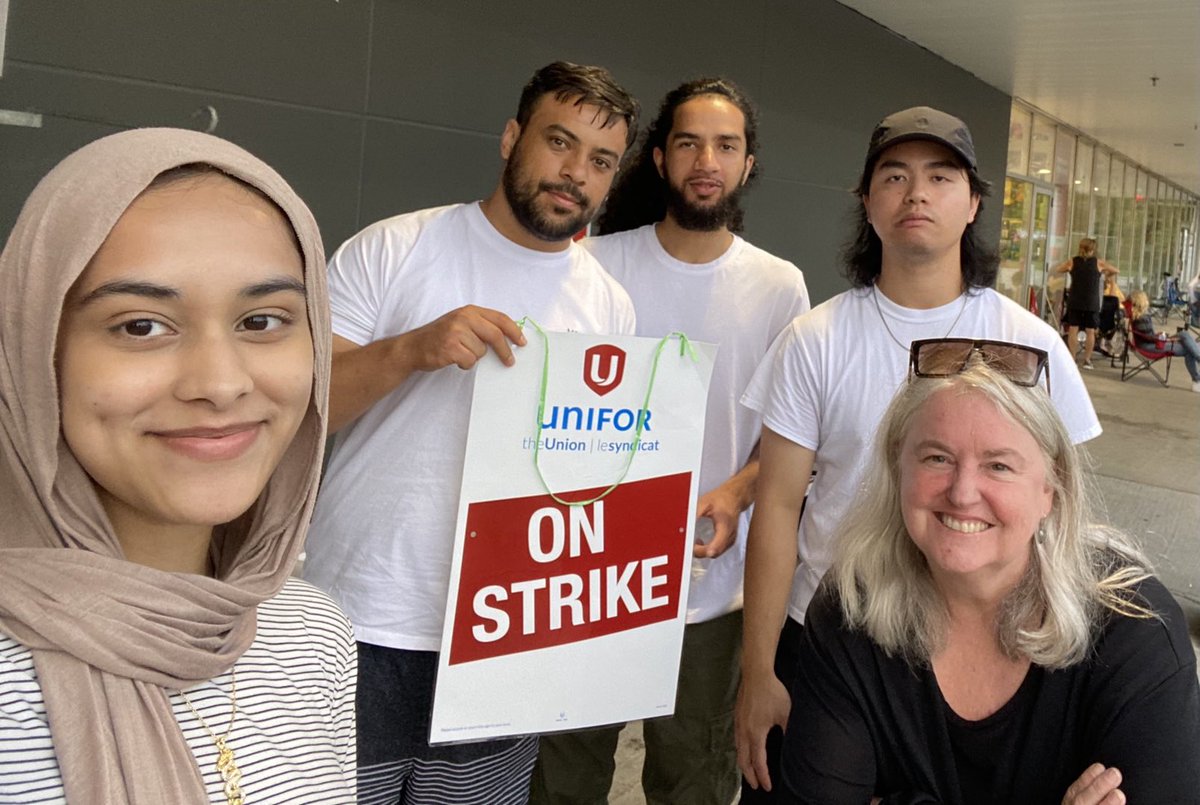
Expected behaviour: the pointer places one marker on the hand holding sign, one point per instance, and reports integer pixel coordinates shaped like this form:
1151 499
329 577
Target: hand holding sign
461 337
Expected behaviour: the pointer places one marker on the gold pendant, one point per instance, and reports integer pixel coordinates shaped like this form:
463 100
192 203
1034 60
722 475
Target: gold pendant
230 774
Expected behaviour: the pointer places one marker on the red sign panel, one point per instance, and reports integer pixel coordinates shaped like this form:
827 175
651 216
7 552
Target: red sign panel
603 368
536 573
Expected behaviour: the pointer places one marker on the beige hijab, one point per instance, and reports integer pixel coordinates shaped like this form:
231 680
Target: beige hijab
109 637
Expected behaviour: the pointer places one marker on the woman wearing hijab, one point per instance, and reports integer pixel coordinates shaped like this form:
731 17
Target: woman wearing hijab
164 368
977 639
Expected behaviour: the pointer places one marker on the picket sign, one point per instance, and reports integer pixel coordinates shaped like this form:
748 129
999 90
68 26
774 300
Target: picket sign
568 590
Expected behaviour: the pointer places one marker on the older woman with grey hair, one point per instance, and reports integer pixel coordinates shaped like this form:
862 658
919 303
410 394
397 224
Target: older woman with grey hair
978 639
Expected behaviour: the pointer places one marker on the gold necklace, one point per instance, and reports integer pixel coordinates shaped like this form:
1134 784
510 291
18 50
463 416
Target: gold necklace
226 765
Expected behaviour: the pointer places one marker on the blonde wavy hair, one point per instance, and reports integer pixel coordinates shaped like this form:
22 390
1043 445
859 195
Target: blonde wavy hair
1079 570
1139 303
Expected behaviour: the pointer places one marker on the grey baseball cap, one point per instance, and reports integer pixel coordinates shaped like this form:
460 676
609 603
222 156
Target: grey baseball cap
922 123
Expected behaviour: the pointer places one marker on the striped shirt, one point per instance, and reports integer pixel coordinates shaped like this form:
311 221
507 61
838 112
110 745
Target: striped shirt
293 737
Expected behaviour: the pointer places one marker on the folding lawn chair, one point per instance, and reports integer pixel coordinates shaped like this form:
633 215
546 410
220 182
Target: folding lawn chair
1142 352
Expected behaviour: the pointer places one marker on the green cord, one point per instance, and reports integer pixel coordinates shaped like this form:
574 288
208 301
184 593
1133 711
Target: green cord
685 349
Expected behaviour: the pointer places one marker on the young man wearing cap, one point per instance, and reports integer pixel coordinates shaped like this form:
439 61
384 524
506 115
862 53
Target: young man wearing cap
919 270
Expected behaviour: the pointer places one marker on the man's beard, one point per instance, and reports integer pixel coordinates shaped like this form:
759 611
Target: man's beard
701 218
522 197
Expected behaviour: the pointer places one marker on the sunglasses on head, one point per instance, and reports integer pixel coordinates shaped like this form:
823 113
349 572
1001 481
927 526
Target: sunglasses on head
945 357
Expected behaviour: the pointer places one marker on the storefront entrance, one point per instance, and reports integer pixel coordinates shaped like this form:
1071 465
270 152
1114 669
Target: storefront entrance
1024 229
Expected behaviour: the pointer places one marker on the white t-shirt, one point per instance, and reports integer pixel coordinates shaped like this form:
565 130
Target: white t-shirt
834 373
740 301
293 737
383 531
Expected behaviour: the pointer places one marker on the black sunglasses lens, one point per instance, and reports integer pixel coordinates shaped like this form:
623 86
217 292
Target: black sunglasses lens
1020 364
942 358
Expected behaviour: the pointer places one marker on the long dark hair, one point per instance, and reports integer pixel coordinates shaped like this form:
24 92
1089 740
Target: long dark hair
639 195
862 255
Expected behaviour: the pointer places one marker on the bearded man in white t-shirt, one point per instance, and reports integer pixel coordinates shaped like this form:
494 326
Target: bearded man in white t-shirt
383 531
669 235
919 270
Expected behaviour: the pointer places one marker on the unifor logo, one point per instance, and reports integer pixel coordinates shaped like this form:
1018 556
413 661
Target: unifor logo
603 368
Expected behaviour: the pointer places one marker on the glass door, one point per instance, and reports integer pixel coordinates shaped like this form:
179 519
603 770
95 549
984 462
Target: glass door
1014 239
1039 254
1025 247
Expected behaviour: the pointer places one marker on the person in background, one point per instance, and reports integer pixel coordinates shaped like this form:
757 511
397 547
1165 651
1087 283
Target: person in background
1110 313
164 372
1182 344
383 531
1113 288
978 638
1084 296
1193 291
669 236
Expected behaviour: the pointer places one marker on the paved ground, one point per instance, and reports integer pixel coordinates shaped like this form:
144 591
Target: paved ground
1147 473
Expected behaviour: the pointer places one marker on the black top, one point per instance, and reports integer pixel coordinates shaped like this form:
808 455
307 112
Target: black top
864 724
1086 283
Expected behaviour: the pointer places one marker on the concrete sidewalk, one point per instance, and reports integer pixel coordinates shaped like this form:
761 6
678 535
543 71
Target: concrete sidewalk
1146 471
1147 468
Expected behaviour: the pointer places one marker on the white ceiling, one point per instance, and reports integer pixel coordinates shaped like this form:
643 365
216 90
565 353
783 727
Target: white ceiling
1086 62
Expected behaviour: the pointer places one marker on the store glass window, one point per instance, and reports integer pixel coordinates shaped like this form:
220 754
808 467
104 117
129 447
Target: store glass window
1109 238
1014 237
1162 235
1081 193
1041 149
1142 206
1019 130
1123 257
1187 256
1064 156
1100 196
1064 160
1162 230
1150 270
1172 259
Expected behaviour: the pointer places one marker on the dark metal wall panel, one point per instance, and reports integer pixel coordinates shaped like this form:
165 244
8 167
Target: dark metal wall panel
26 155
316 150
803 223
837 74
462 64
409 167
373 107
310 52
